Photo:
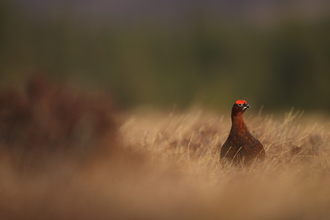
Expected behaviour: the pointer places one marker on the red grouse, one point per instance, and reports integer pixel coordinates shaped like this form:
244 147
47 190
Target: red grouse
241 147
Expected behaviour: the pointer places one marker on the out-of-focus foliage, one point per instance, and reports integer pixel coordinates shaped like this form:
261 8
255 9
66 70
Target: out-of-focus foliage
47 118
203 59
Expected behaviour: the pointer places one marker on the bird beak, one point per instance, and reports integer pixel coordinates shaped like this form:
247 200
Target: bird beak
246 106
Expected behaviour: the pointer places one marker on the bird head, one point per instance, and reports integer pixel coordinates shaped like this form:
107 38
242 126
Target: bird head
240 106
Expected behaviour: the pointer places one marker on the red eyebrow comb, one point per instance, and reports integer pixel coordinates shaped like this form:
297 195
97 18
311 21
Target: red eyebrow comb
240 102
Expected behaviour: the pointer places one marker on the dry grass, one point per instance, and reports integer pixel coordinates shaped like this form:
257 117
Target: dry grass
165 167
293 183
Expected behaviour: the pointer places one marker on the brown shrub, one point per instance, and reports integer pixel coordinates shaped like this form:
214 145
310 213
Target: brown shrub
50 117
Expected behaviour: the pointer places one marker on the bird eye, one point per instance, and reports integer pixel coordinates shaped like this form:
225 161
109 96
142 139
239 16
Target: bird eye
240 105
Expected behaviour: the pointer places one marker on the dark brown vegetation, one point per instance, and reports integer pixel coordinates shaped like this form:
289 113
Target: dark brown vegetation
48 118
241 147
168 166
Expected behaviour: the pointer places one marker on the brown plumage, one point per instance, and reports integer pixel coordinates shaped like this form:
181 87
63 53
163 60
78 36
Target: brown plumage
241 147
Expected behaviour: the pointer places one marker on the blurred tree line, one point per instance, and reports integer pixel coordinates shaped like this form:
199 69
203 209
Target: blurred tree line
203 59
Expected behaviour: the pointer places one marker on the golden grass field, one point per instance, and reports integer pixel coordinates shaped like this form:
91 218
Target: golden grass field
158 165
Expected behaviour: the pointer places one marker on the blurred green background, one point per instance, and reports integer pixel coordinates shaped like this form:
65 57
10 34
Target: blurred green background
278 56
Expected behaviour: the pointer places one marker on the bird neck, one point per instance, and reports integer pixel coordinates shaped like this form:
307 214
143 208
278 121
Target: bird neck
238 123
